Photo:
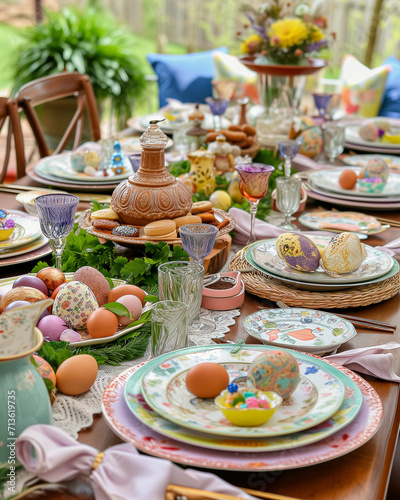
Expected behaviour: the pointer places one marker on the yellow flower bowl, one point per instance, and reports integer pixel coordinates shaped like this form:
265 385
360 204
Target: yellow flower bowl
249 417
6 233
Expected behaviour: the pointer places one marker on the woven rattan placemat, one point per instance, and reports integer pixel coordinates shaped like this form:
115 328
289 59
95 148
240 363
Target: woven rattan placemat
266 287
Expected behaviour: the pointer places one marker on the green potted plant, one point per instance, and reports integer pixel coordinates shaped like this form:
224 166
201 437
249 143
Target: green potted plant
89 41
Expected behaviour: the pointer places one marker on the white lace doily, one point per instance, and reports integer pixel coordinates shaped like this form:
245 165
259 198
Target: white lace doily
75 413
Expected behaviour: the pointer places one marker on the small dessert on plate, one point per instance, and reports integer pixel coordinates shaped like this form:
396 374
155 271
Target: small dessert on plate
7 225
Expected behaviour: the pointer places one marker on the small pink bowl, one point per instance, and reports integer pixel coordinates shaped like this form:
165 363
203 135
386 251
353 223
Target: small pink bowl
229 292
223 300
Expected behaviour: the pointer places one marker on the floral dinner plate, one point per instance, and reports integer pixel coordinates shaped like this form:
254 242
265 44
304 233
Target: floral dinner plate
343 221
322 287
353 435
139 408
352 136
316 398
264 254
329 181
301 329
362 160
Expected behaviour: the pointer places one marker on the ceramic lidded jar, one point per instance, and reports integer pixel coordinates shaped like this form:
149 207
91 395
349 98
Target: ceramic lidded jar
152 193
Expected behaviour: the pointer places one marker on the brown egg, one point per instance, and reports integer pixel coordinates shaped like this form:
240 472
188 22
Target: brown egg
207 380
77 374
95 281
121 290
347 179
102 323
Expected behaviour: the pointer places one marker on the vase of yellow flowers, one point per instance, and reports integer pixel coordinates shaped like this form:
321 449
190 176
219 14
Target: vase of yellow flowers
280 41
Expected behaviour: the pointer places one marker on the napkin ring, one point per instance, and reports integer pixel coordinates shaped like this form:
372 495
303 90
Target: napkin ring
98 460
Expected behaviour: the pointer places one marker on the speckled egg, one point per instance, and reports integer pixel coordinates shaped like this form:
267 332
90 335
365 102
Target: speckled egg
298 251
376 168
344 253
275 370
74 303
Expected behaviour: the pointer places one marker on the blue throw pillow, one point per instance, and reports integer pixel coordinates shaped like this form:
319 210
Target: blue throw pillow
185 77
391 97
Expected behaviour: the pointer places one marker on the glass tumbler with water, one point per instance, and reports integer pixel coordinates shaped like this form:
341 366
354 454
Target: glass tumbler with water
169 327
288 190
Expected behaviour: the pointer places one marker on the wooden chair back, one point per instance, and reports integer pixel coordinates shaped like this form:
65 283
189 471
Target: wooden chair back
54 87
8 109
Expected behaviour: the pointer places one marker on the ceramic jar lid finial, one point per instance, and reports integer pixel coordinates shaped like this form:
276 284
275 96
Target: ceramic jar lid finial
153 137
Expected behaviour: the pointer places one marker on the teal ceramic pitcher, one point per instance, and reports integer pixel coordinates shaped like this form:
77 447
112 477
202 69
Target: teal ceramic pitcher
24 399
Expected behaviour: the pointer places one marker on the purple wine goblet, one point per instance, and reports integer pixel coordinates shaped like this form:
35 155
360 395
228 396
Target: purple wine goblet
217 107
288 149
198 241
321 103
253 185
57 217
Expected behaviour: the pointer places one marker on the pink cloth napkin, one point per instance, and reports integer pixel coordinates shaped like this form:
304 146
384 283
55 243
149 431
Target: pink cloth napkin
392 248
122 474
263 230
375 361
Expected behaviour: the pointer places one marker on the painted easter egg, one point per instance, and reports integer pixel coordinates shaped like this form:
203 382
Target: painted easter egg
74 303
298 251
376 168
275 370
344 253
312 142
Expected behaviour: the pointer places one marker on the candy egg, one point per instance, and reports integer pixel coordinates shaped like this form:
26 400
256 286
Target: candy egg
207 380
344 253
77 374
134 306
74 303
276 370
298 251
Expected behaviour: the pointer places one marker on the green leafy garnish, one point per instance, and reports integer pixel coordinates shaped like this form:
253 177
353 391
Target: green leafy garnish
117 308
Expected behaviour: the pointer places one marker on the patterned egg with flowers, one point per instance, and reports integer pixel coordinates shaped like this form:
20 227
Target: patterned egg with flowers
74 303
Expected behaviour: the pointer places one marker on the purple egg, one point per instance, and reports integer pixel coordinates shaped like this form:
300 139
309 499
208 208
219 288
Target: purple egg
17 303
31 281
52 327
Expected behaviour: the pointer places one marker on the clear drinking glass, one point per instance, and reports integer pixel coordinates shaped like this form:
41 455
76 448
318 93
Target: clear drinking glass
57 217
198 240
288 199
183 282
181 141
333 135
169 327
288 149
253 185
217 107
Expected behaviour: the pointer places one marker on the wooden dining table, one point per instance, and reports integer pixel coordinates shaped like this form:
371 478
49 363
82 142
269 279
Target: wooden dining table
362 474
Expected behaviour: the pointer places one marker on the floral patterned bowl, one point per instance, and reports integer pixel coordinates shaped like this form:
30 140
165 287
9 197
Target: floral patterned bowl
249 417
373 185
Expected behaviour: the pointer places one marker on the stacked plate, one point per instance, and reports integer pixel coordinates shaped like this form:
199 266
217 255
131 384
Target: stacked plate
377 267
56 170
331 412
26 242
353 140
315 332
324 185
